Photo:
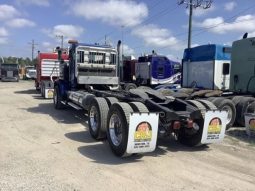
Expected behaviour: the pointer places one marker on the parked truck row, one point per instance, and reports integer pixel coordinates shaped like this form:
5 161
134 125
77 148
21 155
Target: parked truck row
224 75
216 92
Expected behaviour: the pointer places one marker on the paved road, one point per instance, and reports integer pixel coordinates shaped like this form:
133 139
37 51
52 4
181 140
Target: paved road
44 149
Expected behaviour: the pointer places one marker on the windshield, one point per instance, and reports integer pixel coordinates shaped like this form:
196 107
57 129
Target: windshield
9 66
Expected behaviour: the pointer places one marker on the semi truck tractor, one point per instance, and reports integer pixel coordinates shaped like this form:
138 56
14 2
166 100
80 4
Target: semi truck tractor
130 120
150 70
223 75
47 70
157 69
9 72
29 73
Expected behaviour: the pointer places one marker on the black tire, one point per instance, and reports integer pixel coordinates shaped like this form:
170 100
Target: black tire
209 105
198 105
129 86
236 99
251 108
111 100
118 123
139 107
97 114
241 109
229 106
191 137
57 98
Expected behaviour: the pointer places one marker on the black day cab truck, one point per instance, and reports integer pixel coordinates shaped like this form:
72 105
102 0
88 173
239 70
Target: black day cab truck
130 120
9 72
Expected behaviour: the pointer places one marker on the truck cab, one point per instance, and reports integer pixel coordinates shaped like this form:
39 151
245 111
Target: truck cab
9 72
89 64
157 69
207 67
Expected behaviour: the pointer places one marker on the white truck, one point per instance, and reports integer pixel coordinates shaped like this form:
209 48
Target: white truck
223 75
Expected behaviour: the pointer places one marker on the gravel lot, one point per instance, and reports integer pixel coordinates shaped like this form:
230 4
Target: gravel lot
45 149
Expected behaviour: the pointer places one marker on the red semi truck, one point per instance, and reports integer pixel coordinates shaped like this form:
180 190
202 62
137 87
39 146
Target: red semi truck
47 69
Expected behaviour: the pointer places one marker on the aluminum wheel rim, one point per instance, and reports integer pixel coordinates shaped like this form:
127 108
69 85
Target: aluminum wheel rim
230 113
115 129
93 118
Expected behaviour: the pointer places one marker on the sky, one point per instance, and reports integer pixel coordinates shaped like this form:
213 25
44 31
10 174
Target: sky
142 25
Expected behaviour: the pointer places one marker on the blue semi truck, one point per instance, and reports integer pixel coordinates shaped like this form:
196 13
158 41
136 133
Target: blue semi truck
130 120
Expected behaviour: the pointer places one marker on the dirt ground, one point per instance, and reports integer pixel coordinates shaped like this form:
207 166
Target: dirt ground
45 149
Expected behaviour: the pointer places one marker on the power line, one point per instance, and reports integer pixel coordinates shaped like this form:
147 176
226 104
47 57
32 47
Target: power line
207 28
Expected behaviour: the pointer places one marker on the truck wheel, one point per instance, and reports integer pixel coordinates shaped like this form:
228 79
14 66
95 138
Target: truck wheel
97 112
251 108
138 107
192 136
57 98
111 100
129 86
117 127
198 105
229 106
236 99
209 105
241 109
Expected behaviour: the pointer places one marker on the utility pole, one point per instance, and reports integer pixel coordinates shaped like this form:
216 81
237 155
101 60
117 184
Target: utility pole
205 4
33 44
62 40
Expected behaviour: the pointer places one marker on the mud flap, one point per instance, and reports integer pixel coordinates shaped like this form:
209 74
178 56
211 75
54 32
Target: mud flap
214 127
143 132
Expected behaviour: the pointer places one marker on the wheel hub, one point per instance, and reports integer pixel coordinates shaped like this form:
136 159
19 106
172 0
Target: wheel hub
115 129
229 111
93 117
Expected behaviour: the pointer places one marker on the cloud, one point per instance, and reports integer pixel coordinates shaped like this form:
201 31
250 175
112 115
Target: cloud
47 47
3 32
3 35
3 40
114 12
217 25
68 31
19 23
230 6
127 50
251 34
157 37
7 12
44 3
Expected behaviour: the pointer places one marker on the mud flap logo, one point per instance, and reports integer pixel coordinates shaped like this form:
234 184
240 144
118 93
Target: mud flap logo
143 132
50 94
214 126
252 124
